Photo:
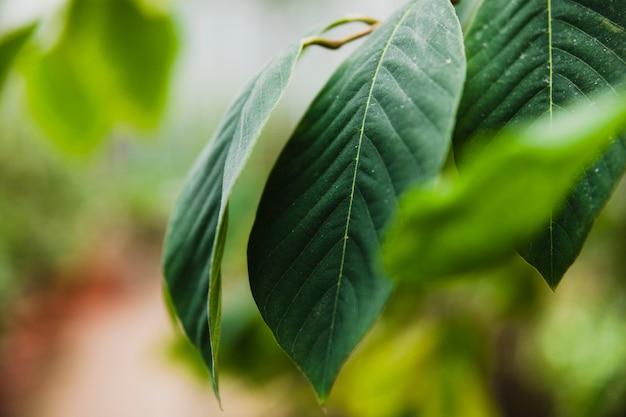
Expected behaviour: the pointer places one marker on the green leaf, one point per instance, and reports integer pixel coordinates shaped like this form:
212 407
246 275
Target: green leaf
10 46
531 57
62 103
196 234
466 11
382 122
140 48
503 197
111 64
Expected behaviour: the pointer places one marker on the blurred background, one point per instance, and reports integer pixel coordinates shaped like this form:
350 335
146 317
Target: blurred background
104 105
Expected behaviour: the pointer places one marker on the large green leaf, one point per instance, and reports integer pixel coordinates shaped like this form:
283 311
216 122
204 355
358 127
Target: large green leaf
531 57
503 198
196 233
382 122
111 64
10 45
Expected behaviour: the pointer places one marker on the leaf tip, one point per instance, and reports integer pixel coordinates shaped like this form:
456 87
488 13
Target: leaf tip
553 279
553 282
216 390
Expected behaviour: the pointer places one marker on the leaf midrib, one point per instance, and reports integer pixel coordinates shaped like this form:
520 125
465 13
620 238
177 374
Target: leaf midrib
354 178
550 111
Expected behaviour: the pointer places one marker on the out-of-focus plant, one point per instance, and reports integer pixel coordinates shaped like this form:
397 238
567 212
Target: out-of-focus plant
10 46
38 204
78 73
109 64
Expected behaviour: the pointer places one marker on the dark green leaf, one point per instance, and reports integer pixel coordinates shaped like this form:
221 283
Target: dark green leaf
382 122
503 197
530 57
554 249
197 231
10 45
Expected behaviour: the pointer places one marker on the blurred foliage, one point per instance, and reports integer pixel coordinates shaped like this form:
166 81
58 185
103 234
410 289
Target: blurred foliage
110 65
10 45
38 204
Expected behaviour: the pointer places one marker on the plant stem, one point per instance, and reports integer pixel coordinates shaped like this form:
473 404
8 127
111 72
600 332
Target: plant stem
338 43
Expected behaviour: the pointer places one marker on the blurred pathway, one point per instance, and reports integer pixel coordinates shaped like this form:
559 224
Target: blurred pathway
98 349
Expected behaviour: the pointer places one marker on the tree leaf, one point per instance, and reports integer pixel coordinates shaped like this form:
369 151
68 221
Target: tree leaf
382 122
503 197
10 46
111 64
62 104
530 57
141 46
196 233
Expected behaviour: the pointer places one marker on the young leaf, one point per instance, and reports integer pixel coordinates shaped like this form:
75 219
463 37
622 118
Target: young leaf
111 64
10 45
531 57
196 233
503 197
382 121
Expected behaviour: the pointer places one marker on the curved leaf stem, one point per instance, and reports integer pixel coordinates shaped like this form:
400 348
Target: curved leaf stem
338 43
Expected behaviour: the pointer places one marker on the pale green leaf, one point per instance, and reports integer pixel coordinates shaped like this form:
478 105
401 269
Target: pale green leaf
503 197
10 46
111 65
382 122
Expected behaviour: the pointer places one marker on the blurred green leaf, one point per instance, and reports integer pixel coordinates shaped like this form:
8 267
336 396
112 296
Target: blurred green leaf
111 64
140 48
503 197
382 121
10 46
196 234
580 347
531 57
61 101
427 367
182 352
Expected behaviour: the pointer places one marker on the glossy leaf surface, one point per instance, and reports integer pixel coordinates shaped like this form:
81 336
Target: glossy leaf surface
531 57
197 230
383 121
503 198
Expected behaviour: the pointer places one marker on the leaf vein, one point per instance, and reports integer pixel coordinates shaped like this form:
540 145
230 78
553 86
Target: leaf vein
361 133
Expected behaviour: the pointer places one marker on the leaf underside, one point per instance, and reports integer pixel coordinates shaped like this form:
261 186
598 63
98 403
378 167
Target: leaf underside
382 122
531 57
197 230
